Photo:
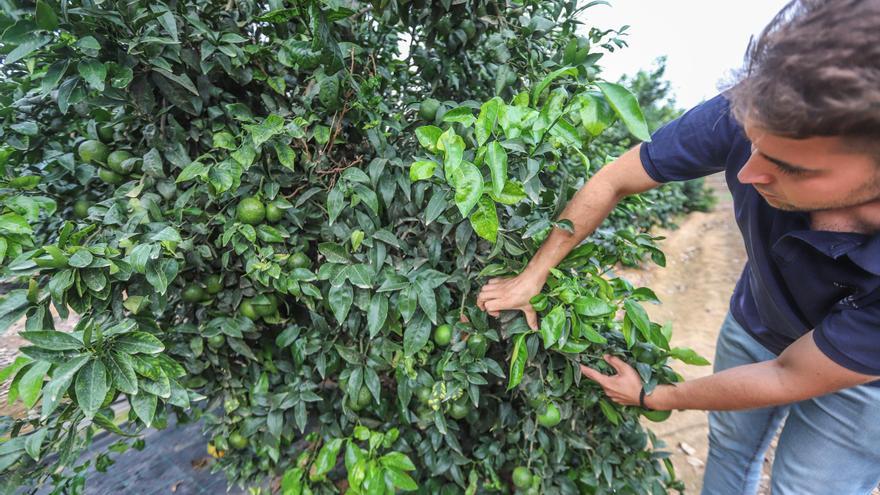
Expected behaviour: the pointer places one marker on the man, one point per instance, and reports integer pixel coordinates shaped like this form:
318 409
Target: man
799 140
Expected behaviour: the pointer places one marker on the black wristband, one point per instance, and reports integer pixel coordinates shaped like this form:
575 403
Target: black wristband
642 399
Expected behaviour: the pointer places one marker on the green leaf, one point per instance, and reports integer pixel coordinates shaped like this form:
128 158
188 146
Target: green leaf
93 72
428 136
28 128
592 306
32 382
340 299
91 387
285 154
377 314
335 203
53 340
260 133
245 154
12 223
609 412
33 443
334 253
421 170
461 115
12 368
688 356
428 302
326 459
224 140
397 460
167 234
452 146
636 313
81 258
401 480
407 302
120 76
556 74
279 16
468 187
109 425
511 194
89 45
484 219
138 342
486 120
416 334
45 17
61 378
368 196
518 359
291 482
144 405
321 134
436 206
596 115
31 44
121 368
626 106
551 326
193 170
496 158
361 275
53 75
152 163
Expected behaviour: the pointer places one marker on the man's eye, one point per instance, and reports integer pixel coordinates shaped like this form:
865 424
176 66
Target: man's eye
790 171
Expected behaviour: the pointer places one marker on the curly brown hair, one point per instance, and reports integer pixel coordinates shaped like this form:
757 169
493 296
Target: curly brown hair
815 71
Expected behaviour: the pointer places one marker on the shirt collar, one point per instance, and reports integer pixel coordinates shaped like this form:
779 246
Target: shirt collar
861 249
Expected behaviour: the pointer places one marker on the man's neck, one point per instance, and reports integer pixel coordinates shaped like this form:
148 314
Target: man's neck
862 219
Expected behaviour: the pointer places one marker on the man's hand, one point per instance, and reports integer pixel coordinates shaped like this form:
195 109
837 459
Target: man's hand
511 293
624 387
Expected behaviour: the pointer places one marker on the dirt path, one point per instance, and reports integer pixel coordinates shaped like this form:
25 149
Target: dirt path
705 256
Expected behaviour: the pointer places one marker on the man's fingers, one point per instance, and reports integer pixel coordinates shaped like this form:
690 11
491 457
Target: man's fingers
531 317
494 314
491 290
481 304
593 375
493 306
482 299
618 364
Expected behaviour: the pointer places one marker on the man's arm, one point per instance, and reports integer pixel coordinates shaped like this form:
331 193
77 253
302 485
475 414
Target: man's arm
587 209
801 372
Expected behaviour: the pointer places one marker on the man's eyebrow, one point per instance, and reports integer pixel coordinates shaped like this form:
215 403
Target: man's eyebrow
783 164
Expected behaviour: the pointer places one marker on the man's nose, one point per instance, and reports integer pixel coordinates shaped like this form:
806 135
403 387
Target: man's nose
755 171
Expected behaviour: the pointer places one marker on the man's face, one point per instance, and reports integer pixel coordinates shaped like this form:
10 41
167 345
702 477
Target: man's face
812 174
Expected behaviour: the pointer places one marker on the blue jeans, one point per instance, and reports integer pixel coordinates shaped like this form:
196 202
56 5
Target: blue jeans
828 445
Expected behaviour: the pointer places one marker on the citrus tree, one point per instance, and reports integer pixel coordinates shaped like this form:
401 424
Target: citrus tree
274 217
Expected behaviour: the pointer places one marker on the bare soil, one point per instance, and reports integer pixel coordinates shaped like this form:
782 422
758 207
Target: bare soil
705 257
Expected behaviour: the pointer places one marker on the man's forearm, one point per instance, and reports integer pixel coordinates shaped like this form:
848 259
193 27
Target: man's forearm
586 210
590 206
744 387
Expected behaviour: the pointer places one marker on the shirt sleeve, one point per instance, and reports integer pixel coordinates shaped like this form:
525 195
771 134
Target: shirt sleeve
694 145
851 338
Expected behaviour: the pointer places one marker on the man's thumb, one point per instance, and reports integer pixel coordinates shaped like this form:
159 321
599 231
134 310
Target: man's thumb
531 318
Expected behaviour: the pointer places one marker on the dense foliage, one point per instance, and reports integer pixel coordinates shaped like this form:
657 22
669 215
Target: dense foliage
274 216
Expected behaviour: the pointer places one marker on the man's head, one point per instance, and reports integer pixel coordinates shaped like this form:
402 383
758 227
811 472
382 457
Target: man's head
809 99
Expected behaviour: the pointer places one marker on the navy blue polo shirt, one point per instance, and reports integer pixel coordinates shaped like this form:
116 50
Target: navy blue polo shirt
796 279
